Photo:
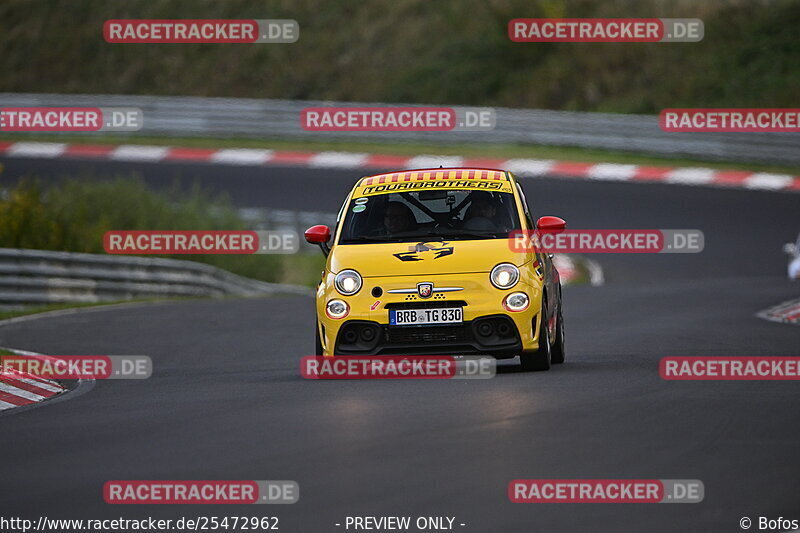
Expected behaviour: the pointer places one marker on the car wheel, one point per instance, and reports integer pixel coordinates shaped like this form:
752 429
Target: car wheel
541 358
318 341
558 354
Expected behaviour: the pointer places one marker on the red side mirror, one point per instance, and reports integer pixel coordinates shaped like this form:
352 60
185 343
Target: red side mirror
548 223
318 234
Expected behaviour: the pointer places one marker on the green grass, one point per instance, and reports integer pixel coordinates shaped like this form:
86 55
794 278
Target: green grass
501 151
415 51
73 215
302 269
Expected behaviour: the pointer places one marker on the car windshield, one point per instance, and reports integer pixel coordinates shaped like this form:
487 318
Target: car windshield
450 214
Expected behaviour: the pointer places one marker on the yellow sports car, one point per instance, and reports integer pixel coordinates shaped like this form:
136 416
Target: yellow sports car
421 263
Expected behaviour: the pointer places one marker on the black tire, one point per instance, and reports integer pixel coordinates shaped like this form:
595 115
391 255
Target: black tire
558 354
318 341
542 357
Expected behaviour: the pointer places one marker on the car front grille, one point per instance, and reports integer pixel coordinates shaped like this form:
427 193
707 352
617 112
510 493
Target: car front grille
426 304
417 334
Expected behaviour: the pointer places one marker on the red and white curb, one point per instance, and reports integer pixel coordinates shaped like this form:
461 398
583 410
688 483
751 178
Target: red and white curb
19 388
347 160
785 313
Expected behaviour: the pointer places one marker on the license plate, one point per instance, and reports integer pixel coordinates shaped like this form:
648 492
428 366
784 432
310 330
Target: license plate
419 317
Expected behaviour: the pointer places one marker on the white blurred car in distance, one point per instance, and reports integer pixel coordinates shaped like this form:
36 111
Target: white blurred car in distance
793 250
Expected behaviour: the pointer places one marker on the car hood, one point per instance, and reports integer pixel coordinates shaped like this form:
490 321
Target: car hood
424 258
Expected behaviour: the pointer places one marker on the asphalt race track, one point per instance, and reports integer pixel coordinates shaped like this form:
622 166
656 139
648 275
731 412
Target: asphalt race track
226 400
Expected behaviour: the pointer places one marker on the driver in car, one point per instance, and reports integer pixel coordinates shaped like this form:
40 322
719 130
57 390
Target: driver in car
397 218
481 213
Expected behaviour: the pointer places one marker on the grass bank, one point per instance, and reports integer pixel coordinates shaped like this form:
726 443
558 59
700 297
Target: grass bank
73 214
416 51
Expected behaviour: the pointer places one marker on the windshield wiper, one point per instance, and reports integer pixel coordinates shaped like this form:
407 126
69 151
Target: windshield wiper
407 236
396 237
366 238
456 233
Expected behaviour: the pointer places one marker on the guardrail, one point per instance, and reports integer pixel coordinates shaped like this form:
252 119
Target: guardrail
29 277
239 117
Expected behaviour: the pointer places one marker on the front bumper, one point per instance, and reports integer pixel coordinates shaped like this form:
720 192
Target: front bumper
495 335
487 328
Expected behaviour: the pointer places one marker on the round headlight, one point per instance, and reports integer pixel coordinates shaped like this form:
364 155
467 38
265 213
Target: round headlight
348 282
337 309
504 276
516 302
